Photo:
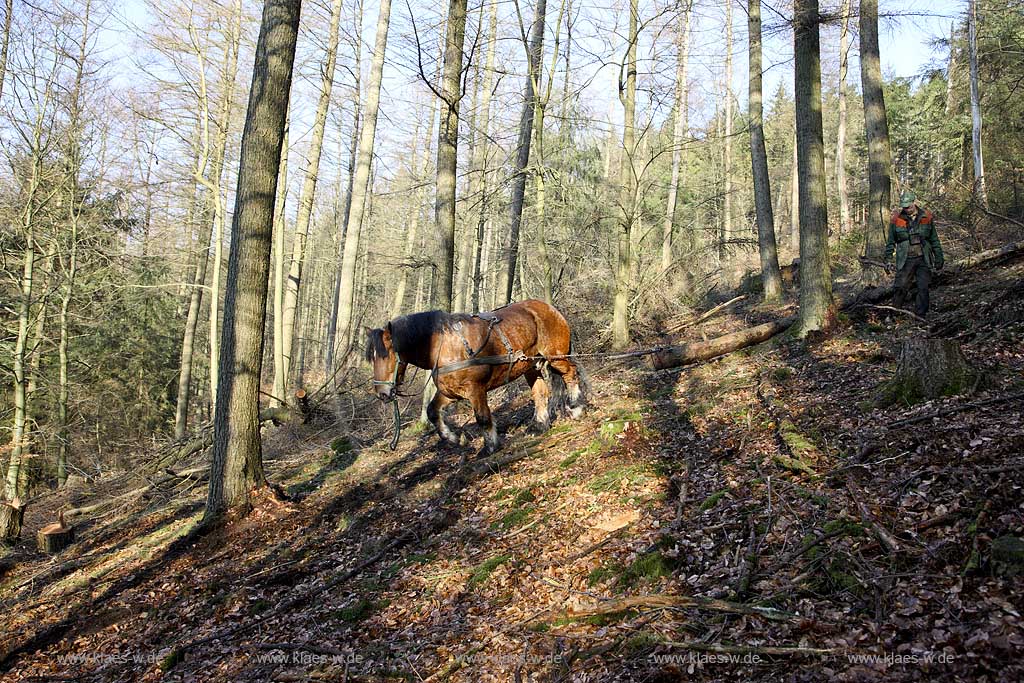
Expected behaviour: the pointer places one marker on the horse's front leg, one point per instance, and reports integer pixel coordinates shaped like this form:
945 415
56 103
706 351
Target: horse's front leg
482 411
435 413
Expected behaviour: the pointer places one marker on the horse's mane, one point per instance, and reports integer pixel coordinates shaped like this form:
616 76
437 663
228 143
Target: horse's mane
411 331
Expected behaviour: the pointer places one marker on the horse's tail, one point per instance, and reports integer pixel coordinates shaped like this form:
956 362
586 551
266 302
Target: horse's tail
561 398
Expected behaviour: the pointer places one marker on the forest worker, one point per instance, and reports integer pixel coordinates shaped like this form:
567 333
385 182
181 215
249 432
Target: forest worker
918 252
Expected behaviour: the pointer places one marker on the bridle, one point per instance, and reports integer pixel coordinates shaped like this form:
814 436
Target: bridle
393 382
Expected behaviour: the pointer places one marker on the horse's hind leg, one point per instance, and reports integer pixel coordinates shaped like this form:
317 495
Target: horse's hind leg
435 413
573 378
541 393
482 412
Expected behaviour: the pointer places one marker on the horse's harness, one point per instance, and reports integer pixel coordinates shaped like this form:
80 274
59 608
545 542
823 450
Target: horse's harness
510 357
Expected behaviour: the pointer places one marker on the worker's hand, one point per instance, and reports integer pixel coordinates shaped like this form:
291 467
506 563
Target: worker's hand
889 267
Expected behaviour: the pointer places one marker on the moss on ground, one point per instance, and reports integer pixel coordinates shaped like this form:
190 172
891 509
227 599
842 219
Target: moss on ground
483 571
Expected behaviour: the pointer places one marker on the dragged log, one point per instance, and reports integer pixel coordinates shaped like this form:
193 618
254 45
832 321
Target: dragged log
695 352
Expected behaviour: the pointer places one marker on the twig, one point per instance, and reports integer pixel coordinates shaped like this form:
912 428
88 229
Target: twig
882 307
677 602
957 409
887 540
768 650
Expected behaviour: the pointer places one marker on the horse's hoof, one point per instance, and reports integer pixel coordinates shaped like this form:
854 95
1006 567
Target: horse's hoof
488 450
576 412
538 427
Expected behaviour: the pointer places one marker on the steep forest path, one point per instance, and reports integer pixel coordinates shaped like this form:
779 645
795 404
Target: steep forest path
751 518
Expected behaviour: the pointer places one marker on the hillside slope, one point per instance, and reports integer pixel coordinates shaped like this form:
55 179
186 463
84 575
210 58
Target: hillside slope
758 517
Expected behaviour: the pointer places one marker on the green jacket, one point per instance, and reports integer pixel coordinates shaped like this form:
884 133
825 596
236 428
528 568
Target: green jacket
899 239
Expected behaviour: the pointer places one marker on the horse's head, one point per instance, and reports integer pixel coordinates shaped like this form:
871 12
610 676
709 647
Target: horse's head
388 370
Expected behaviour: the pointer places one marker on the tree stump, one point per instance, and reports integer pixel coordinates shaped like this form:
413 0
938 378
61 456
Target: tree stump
928 369
55 537
12 513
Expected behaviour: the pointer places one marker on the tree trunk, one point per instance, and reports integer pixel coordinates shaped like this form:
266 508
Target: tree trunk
928 369
448 153
771 278
876 128
237 461
280 228
727 156
816 306
53 538
306 195
483 150
361 186
195 301
979 162
695 352
412 234
628 183
534 52
12 515
680 126
212 214
5 42
842 182
794 202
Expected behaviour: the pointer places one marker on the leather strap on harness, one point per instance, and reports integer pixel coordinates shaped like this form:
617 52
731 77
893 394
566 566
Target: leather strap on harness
510 357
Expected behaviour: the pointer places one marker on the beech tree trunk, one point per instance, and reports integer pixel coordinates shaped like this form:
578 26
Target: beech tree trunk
448 153
771 278
237 460
979 161
361 186
876 128
695 352
293 282
484 151
680 126
816 306
842 183
5 42
928 369
727 158
628 184
534 52
280 228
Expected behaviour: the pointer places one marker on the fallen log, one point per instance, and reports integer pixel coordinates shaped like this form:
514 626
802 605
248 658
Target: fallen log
694 352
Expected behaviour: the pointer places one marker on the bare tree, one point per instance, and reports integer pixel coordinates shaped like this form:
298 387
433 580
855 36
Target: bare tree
842 181
628 190
680 129
816 306
876 128
535 50
972 50
771 277
237 460
5 42
304 211
361 183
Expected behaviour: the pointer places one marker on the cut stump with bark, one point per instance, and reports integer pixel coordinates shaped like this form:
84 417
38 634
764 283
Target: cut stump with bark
928 369
54 538
12 513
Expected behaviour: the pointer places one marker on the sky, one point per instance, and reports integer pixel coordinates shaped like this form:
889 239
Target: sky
907 31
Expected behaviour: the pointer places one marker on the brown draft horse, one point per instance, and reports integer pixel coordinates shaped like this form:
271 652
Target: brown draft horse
470 355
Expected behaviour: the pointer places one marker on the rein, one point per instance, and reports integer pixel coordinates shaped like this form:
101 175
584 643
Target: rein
393 382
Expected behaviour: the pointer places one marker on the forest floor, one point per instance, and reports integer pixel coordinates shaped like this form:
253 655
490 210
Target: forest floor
758 517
